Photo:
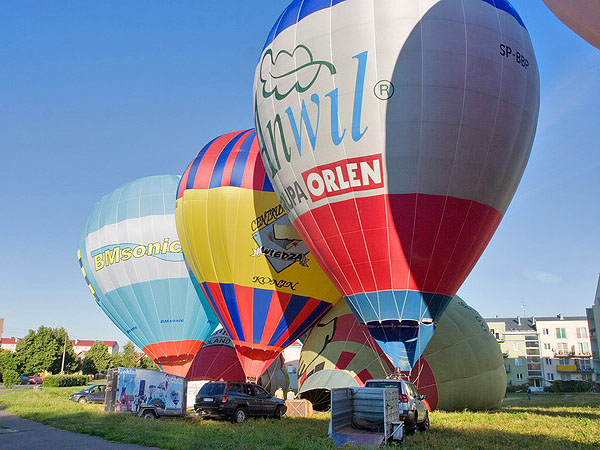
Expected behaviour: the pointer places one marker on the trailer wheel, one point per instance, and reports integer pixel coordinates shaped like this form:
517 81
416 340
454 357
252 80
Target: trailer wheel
148 414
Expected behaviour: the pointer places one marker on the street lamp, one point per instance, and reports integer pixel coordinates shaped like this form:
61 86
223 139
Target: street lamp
62 365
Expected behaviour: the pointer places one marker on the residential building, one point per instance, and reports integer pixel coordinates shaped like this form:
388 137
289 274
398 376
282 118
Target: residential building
291 357
9 344
519 343
565 348
593 318
552 348
81 346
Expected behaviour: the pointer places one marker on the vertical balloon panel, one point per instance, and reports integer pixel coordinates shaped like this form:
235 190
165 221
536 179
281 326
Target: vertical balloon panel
396 133
256 272
132 261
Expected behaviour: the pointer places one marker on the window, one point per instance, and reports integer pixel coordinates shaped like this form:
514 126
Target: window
518 362
582 333
519 377
565 377
562 348
516 346
548 361
561 333
550 376
545 331
583 347
547 346
585 364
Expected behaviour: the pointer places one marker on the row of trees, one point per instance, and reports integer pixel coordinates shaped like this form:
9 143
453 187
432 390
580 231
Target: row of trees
42 350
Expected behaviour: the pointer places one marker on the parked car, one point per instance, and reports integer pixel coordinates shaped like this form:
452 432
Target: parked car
23 379
236 401
92 394
412 409
35 379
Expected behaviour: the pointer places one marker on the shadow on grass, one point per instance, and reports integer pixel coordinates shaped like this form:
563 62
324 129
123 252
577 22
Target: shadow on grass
443 437
548 412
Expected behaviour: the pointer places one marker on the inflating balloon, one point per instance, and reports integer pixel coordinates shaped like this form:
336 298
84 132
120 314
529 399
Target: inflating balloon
581 16
217 360
255 270
396 133
132 261
462 366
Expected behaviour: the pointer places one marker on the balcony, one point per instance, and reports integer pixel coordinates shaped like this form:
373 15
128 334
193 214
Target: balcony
573 368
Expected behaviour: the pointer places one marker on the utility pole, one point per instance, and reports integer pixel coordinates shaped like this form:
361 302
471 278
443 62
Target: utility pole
62 366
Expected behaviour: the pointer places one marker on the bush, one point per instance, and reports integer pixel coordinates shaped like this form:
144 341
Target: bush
570 386
517 388
10 377
65 380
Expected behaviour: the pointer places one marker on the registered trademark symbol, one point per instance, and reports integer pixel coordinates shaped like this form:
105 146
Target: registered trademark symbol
384 90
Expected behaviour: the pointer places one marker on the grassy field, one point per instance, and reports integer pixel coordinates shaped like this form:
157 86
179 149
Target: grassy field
550 421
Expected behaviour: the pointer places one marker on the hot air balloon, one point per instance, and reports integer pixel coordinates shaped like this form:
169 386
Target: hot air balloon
255 270
581 16
217 360
396 134
462 366
132 261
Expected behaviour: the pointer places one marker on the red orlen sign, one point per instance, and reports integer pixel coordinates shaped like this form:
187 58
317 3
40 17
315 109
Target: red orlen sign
347 175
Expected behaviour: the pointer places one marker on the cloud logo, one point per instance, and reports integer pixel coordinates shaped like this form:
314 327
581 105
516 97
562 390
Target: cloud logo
285 72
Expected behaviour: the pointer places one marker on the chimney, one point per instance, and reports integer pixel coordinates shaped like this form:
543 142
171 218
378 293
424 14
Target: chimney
518 320
560 316
532 320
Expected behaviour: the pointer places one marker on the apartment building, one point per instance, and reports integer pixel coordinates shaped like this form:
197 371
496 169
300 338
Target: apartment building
9 344
540 350
593 318
520 347
81 346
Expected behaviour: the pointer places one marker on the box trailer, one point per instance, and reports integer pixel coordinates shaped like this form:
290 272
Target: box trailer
364 416
147 393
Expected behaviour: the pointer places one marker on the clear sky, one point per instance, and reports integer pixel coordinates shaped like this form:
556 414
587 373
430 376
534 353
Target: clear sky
95 94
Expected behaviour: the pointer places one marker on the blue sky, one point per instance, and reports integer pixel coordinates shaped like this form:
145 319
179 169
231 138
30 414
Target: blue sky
95 94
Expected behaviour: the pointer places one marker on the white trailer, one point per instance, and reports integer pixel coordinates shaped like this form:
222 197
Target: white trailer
147 393
364 416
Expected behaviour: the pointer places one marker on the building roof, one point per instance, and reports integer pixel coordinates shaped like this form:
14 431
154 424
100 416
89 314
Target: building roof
512 323
529 323
89 343
9 340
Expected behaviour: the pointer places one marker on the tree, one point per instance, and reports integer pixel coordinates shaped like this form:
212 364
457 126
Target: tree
146 363
7 361
10 377
97 359
43 350
126 358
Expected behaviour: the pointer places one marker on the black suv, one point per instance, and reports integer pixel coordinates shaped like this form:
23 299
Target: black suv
236 401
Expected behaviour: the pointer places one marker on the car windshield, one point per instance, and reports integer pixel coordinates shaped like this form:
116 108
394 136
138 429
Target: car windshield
383 384
212 389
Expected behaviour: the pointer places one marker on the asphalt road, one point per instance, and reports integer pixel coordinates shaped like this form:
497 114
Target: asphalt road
23 434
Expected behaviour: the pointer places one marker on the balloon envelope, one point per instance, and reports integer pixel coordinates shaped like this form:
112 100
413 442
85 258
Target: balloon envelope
257 273
581 16
131 259
462 366
396 133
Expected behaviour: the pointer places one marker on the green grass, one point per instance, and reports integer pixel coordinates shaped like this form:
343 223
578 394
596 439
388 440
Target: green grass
550 421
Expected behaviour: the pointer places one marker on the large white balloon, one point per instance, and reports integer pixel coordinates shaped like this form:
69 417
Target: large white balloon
396 133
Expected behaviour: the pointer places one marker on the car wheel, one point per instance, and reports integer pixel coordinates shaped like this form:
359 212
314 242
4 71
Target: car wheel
424 426
82 400
278 412
148 414
239 415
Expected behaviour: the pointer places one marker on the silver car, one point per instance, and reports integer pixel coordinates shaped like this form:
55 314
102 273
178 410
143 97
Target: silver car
412 408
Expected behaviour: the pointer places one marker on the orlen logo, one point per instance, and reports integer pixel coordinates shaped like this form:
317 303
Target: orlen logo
340 177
